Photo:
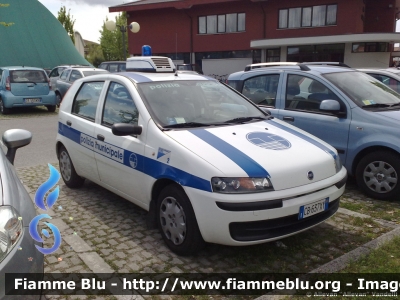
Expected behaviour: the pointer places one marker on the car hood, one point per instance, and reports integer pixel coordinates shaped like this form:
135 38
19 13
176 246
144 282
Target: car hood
393 114
271 149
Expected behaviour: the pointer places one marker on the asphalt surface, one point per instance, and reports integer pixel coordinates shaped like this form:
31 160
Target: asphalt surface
42 148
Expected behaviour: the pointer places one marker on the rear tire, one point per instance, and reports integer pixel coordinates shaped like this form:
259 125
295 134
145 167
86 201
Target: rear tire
51 108
4 110
67 170
58 97
177 221
377 174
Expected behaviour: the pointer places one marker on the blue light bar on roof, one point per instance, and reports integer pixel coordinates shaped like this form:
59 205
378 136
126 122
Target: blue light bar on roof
146 50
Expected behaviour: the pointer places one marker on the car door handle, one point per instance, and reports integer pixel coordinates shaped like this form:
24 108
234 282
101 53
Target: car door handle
291 119
69 123
100 137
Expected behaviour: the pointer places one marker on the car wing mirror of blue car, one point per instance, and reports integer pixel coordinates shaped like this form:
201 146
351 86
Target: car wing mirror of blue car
330 105
122 129
14 139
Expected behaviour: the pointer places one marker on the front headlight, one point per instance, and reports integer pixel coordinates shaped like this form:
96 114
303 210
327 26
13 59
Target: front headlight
338 163
10 229
241 185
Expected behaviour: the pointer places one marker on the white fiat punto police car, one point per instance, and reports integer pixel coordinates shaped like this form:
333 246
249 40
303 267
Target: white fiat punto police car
207 164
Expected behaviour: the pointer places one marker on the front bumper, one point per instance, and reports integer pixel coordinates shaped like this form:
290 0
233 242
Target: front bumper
246 227
25 261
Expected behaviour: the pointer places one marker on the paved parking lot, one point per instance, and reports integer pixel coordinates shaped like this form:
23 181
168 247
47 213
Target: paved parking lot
103 233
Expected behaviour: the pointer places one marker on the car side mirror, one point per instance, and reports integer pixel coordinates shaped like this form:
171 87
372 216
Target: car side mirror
14 139
122 129
330 106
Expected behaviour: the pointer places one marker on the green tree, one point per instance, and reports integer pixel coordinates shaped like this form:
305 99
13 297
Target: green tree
67 21
4 23
111 41
95 55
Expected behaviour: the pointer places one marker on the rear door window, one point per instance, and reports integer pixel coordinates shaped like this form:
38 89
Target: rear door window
20 76
85 102
75 75
113 68
64 74
262 89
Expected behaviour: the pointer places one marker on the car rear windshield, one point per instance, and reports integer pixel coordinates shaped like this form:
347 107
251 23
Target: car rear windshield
206 102
36 76
363 89
89 73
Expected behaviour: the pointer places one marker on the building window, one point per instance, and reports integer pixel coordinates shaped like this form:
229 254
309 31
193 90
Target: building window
309 53
212 24
313 16
273 55
370 47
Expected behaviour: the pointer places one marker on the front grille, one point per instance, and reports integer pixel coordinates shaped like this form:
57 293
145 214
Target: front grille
268 229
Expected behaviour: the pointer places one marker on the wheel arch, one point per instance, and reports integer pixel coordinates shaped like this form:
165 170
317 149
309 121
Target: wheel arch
368 150
158 186
58 146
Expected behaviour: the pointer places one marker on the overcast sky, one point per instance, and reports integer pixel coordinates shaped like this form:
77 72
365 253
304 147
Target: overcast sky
88 14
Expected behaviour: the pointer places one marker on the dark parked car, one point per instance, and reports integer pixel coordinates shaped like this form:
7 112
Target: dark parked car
18 253
68 76
113 66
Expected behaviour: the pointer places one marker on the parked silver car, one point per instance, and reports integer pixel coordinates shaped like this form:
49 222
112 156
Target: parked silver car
68 77
18 253
390 76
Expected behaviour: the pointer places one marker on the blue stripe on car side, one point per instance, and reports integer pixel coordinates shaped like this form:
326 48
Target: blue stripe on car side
303 136
147 165
249 165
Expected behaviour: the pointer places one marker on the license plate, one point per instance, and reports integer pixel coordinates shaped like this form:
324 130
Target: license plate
32 100
313 208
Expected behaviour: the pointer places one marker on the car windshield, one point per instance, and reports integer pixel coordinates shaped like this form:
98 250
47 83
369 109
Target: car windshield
196 103
363 89
185 67
89 73
36 76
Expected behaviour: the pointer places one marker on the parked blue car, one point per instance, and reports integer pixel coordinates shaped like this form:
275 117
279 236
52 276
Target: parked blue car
25 86
352 111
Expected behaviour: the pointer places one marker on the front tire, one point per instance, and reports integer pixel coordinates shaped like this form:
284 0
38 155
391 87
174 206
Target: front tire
377 174
67 170
4 110
177 221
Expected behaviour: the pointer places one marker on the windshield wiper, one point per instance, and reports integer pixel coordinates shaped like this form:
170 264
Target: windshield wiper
186 125
376 105
246 119
29 82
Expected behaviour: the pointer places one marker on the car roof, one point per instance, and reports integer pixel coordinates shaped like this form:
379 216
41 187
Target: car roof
114 61
142 77
14 68
86 69
381 71
319 69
